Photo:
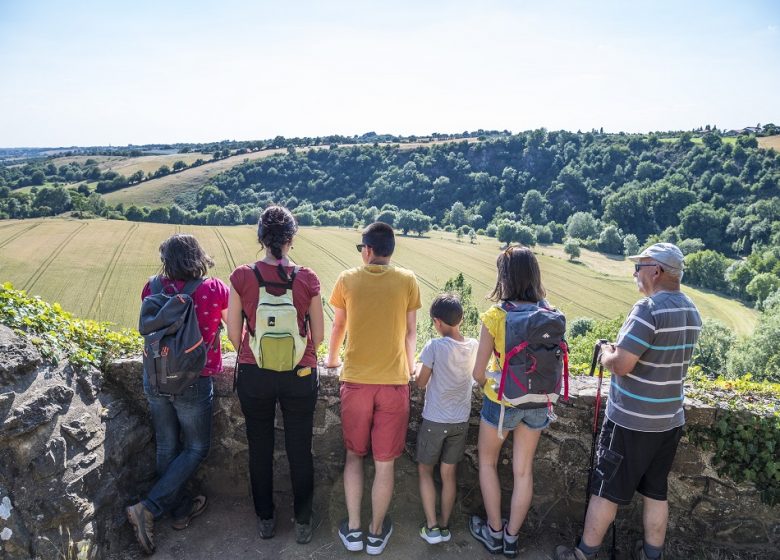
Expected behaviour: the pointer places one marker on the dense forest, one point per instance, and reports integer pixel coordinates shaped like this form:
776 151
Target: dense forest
719 198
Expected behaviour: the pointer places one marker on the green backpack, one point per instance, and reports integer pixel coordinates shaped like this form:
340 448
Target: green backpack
276 342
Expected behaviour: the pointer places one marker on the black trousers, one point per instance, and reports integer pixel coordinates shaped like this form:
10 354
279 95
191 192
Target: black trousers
258 391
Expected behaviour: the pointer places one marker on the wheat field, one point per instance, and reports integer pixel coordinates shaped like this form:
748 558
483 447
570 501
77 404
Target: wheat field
96 268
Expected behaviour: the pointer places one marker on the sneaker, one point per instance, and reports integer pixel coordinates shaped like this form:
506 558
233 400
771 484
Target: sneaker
481 531
431 535
445 534
566 553
510 546
303 532
375 544
142 521
639 551
266 528
352 538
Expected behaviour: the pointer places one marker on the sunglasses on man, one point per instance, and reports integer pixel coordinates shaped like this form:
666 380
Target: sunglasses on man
359 247
637 266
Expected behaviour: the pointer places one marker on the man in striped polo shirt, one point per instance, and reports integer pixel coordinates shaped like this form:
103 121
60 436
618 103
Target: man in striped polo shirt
644 415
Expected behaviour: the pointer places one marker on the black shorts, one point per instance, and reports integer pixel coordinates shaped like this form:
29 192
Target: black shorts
629 461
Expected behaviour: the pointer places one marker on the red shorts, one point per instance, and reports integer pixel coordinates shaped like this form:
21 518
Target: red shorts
375 417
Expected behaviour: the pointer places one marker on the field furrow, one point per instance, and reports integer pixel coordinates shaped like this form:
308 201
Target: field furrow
18 234
41 270
105 280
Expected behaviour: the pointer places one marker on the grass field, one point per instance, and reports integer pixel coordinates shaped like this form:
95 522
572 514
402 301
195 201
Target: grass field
768 142
96 268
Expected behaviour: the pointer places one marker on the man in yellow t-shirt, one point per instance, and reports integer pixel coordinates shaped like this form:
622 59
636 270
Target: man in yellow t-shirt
376 304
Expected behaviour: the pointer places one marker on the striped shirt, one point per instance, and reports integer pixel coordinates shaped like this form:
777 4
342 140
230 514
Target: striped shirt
662 330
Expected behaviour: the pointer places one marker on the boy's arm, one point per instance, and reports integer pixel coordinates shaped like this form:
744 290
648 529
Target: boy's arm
411 339
337 333
423 376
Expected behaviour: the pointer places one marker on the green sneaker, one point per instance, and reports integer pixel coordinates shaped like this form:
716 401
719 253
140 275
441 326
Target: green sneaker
431 535
445 534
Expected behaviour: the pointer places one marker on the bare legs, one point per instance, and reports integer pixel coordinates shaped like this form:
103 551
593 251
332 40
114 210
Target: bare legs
381 490
489 446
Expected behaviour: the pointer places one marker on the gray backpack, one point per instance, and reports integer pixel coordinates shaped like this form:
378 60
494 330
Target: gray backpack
174 351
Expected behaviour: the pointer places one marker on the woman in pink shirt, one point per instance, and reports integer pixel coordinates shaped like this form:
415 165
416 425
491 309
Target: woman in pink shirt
182 424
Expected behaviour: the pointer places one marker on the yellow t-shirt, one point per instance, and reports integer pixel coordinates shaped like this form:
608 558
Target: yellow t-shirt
376 299
494 320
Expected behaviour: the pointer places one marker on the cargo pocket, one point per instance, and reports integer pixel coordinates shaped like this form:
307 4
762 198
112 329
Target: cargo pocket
607 464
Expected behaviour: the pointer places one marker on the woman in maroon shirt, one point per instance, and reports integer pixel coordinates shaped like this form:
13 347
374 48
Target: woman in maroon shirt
182 425
260 389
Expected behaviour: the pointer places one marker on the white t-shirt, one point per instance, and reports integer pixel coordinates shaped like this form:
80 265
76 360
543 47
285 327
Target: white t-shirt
448 394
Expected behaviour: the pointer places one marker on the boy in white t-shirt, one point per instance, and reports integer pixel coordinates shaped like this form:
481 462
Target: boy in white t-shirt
446 368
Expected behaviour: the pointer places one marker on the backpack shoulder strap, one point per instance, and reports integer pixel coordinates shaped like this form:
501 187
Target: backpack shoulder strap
256 272
192 285
155 284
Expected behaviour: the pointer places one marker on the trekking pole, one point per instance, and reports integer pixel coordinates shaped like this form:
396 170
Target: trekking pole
596 430
596 360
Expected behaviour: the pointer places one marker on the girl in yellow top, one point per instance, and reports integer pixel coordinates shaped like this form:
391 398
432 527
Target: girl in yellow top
519 282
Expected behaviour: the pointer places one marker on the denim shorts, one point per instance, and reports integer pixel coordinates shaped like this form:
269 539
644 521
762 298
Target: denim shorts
533 418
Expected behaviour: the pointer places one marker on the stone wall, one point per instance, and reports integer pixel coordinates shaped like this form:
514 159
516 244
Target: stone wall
76 448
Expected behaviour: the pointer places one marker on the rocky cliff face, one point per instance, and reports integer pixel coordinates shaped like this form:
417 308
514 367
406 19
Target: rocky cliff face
75 448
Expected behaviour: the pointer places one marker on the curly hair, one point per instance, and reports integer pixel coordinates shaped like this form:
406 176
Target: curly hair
276 228
183 258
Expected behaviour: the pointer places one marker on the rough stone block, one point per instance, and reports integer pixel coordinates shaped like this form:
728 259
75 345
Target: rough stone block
43 406
19 356
51 462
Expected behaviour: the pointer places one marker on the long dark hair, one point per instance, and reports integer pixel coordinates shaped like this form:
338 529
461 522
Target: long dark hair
519 277
275 229
183 258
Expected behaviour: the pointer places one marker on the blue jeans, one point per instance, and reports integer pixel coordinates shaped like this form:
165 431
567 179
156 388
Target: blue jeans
182 428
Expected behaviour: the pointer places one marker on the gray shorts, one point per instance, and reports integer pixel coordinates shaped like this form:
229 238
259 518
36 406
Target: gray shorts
437 441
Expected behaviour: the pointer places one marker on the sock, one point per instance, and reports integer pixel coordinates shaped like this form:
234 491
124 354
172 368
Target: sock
493 533
652 552
588 550
510 538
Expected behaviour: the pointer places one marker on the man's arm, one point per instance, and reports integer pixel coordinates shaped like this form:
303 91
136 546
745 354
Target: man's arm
618 360
411 339
337 333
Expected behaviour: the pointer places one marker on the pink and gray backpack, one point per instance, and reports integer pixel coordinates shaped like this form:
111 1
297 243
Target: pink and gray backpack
536 358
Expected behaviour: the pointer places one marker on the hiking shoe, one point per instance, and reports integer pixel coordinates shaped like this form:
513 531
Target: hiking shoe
142 521
431 535
375 544
480 530
266 528
639 551
510 546
445 534
352 538
566 553
197 507
303 532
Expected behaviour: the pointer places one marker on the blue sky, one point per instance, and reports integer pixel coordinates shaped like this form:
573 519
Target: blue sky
110 72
